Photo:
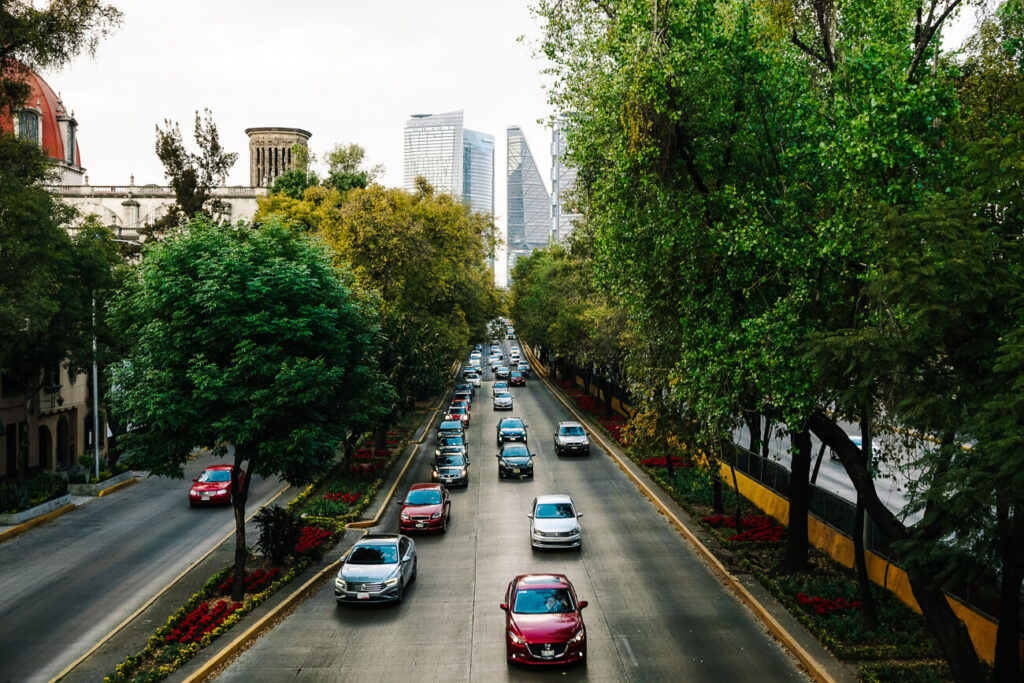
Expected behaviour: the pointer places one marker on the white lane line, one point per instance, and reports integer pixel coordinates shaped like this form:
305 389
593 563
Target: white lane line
629 651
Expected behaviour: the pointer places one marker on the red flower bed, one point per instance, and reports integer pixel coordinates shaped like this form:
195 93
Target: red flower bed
662 461
255 581
756 528
201 621
823 606
343 497
312 538
588 403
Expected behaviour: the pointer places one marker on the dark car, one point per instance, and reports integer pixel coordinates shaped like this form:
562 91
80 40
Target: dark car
544 621
213 486
524 368
426 508
451 428
516 379
465 387
376 569
463 395
448 444
511 429
515 460
451 469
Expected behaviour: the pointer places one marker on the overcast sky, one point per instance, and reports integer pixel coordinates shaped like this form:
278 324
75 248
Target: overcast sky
345 71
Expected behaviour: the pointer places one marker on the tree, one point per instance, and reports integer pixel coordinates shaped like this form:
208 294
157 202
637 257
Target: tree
243 336
296 180
193 175
36 37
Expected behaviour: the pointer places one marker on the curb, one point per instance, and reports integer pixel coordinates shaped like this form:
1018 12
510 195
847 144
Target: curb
314 583
812 665
19 529
117 487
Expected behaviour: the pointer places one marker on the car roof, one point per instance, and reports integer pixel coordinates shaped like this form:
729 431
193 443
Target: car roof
554 498
218 467
510 419
569 423
450 424
514 446
377 539
542 581
428 485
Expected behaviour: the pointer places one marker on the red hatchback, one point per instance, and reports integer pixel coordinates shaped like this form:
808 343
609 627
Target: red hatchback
425 508
544 621
213 486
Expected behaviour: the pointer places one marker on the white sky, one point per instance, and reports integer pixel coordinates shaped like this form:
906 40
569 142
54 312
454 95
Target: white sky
346 71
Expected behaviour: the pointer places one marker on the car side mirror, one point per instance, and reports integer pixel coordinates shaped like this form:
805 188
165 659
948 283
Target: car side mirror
583 603
529 515
195 481
504 606
497 455
579 514
398 502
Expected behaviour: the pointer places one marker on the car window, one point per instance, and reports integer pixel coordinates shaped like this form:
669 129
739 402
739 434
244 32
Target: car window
571 431
514 451
373 554
543 601
451 441
554 511
503 394
403 546
214 475
512 422
450 461
423 497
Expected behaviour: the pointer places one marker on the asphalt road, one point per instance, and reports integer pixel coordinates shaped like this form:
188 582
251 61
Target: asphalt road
656 611
65 584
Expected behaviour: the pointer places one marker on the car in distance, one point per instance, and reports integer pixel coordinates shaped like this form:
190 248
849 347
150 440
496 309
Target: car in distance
457 413
213 486
516 379
555 522
473 379
571 437
451 469
376 569
501 372
463 394
466 386
544 621
426 508
511 429
503 400
498 386
515 460
451 443
511 333
524 368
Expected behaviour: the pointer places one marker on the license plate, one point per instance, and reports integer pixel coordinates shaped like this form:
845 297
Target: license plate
421 525
362 596
515 470
206 498
547 653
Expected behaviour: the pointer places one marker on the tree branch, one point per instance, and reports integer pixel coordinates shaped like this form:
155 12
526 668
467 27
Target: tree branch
924 33
807 49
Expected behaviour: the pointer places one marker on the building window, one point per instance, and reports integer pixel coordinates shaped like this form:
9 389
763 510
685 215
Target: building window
28 126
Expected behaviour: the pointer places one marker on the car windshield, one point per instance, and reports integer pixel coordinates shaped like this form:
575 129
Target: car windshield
554 510
451 461
451 441
571 431
423 497
500 385
450 426
214 475
503 394
456 410
512 424
373 554
515 451
543 601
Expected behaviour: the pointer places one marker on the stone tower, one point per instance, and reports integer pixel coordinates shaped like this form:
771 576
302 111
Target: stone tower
270 152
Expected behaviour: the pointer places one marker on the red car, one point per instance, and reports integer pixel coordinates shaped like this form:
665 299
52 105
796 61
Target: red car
461 403
213 486
426 508
544 621
458 413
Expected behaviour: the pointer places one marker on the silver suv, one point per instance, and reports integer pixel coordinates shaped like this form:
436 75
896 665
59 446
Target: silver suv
571 437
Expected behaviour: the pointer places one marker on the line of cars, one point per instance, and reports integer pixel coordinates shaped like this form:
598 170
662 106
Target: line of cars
543 615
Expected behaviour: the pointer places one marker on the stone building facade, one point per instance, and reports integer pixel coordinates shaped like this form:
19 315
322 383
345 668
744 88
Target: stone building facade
270 152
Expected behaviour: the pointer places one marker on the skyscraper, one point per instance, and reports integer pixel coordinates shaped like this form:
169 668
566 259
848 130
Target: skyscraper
529 206
454 160
563 178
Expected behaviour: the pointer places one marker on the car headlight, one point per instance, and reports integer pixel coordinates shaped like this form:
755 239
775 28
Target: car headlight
340 584
580 635
193 493
575 531
391 582
405 517
462 472
433 473
437 451
516 638
435 515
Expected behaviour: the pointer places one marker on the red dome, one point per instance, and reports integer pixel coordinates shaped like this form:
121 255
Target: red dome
43 99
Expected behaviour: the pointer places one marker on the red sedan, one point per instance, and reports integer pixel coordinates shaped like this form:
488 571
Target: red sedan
458 413
544 621
425 508
213 486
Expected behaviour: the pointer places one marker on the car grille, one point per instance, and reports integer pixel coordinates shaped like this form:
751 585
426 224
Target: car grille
419 518
365 587
558 648
555 534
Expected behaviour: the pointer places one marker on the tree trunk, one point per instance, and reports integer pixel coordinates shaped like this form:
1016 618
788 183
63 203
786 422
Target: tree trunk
795 557
1007 657
716 494
767 439
753 420
869 611
380 440
942 621
239 495
817 464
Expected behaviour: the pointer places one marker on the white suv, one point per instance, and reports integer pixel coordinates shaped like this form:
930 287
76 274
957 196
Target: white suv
571 437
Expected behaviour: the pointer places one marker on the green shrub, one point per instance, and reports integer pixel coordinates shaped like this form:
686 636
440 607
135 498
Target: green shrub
278 533
44 486
321 507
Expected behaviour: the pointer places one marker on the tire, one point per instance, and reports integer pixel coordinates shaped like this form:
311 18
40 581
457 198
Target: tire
415 566
401 593
444 527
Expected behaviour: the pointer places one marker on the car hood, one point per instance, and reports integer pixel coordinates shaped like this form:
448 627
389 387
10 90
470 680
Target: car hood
367 573
421 509
544 628
516 459
556 524
513 431
211 486
449 469
572 439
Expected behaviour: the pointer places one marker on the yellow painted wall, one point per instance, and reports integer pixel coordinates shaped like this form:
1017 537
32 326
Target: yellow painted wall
981 629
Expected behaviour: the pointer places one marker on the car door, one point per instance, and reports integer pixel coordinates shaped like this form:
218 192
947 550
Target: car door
404 548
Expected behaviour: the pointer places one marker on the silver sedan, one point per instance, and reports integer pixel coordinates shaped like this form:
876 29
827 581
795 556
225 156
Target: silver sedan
555 523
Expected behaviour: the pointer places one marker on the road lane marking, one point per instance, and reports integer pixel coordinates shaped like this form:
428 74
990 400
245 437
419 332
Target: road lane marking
629 651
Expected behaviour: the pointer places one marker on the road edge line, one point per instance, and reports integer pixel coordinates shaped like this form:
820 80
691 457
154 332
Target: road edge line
746 597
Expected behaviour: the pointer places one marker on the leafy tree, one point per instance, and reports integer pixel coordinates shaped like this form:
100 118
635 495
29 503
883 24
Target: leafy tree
248 337
296 180
193 175
50 36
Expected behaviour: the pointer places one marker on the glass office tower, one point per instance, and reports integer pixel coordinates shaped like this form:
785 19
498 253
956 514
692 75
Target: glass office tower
563 177
529 206
478 171
434 150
